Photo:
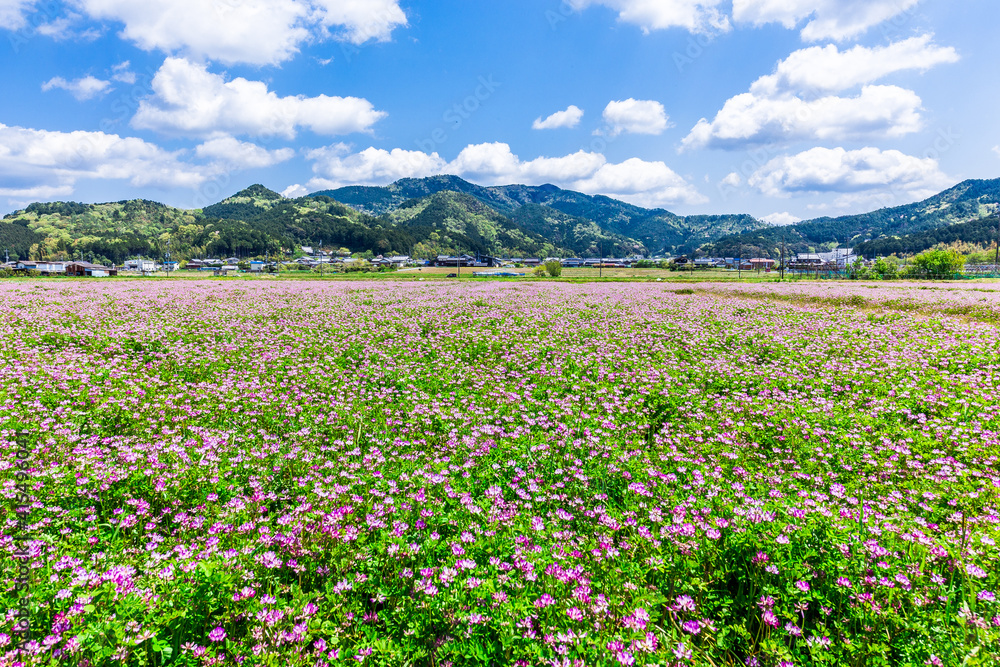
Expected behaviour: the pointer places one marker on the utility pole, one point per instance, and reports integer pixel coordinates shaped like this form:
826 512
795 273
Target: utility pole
782 258
739 264
996 258
600 265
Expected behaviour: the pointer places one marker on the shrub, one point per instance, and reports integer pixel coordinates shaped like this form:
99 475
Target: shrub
539 272
554 268
936 264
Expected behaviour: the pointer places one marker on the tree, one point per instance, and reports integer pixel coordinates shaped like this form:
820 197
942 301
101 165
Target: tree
936 264
554 268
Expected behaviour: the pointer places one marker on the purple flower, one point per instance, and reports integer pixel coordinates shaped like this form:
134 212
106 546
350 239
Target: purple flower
545 601
802 585
683 653
217 635
986 596
537 523
843 582
691 627
574 613
684 603
976 571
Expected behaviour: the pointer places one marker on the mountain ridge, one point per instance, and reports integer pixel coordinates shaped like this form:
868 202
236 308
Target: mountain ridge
446 214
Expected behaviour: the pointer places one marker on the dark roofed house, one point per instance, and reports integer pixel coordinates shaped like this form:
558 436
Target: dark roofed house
89 270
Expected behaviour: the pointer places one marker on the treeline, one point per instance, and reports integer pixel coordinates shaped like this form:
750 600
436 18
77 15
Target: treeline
978 232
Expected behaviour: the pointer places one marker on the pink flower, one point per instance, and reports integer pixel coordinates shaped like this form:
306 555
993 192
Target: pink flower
574 613
802 585
692 627
684 603
537 523
843 582
545 601
217 635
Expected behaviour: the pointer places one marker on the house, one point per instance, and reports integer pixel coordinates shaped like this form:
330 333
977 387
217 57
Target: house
45 268
256 266
89 270
808 259
143 265
170 266
761 263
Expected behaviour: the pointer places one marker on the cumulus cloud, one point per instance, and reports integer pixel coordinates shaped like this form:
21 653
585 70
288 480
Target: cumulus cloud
781 219
802 98
336 166
12 13
190 100
828 19
836 170
236 154
569 118
732 179
40 161
640 182
82 89
881 111
828 69
123 72
258 32
294 191
697 16
636 117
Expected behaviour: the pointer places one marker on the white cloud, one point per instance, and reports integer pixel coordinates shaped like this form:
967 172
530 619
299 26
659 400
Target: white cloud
836 170
640 182
828 69
879 111
190 100
362 20
636 117
294 191
781 219
732 179
40 161
122 72
698 16
258 32
82 89
235 154
799 99
996 149
336 167
569 118
12 13
829 19
650 184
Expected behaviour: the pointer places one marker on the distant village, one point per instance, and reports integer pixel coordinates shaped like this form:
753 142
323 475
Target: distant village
316 259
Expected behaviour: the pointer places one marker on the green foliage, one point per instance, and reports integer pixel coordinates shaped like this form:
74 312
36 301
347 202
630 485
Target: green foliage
981 232
935 264
553 268
967 202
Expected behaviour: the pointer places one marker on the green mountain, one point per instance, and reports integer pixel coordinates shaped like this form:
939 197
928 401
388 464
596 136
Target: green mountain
624 225
244 205
966 202
447 215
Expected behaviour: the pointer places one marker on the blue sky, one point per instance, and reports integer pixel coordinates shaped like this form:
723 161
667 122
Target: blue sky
784 109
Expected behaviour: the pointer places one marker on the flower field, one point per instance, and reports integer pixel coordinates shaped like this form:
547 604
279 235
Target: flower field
283 474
